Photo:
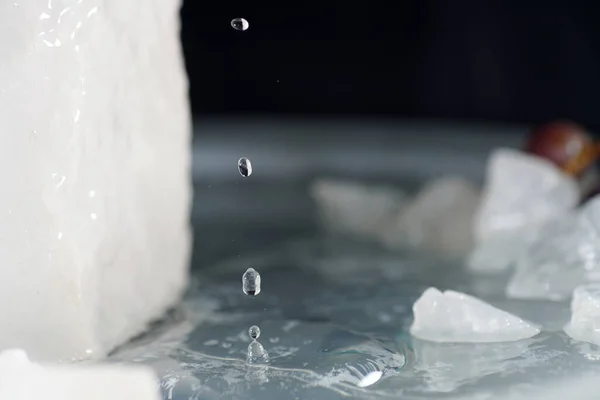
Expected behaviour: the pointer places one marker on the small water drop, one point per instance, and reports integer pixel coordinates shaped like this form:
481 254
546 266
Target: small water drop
257 354
254 332
245 167
251 282
239 24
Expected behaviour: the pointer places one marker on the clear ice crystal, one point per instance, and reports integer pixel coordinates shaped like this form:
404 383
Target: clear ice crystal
439 218
565 255
453 317
585 314
521 193
95 162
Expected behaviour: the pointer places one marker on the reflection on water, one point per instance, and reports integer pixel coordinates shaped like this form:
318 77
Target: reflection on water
346 337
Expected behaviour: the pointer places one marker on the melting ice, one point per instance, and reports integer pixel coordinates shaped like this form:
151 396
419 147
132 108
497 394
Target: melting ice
455 317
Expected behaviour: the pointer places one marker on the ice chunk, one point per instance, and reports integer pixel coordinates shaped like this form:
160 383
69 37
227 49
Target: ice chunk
439 218
564 256
454 317
23 380
95 158
522 192
355 209
585 314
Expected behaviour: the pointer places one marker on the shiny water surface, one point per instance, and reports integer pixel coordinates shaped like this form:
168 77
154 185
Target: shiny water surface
331 314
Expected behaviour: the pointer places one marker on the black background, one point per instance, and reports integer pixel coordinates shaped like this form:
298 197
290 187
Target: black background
496 60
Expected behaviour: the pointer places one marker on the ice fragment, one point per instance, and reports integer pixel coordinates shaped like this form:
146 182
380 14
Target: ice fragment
455 317
522 192
439 218
565 255
585 314
354 209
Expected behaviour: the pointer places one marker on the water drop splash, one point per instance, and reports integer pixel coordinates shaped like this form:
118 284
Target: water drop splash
254 332
251 282
257 354
245 167
239 24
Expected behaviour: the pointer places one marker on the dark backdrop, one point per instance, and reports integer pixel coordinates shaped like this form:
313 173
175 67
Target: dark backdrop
513 61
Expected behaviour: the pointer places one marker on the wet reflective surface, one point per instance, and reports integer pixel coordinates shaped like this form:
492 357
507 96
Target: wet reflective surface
327 323
333 312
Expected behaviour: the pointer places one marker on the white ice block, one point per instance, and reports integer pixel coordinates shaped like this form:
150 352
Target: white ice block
439 218
522 193
22 380
453 317
354 209
94 165
521 190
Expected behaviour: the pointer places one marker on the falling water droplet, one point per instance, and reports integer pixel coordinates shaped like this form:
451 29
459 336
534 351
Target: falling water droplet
251 282
239 24
257 354
245 167
254 332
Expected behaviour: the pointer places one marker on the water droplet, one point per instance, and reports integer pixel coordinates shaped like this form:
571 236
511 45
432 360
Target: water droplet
239 24
245 167
251 282
257 354
254 332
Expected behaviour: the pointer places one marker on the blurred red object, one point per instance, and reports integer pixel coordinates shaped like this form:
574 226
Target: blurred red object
566 144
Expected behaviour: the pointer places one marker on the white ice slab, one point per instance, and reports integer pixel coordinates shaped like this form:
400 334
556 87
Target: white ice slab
585 314
94 164
565 255
439 218
354 209
453 317
522 192
22 380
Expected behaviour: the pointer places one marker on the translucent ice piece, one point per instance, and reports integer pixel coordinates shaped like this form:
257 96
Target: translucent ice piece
95 157
439 218
521 190
23 380
355 209
565 255
522 193
585 314
453 317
